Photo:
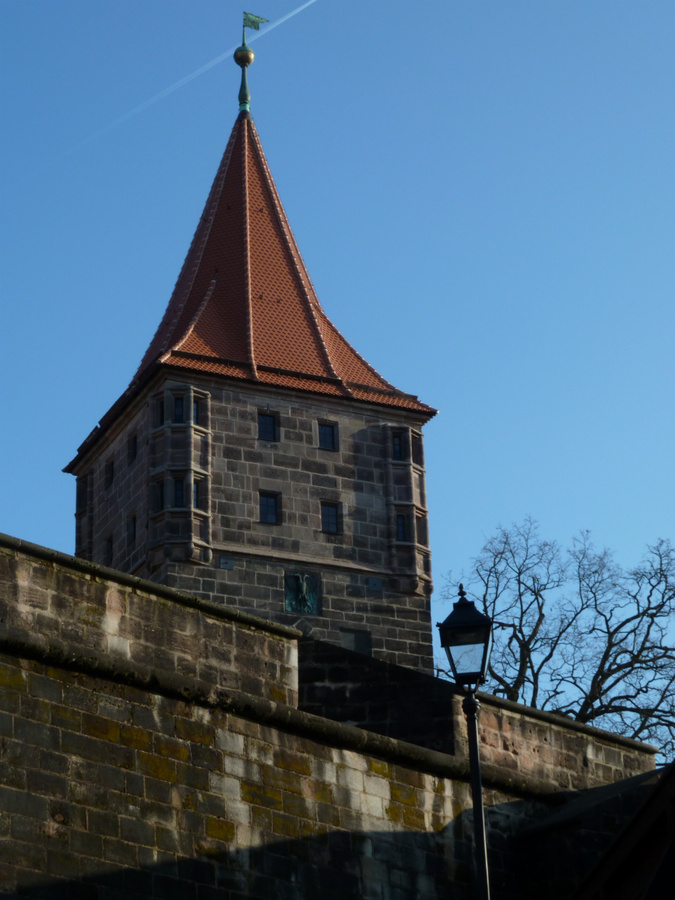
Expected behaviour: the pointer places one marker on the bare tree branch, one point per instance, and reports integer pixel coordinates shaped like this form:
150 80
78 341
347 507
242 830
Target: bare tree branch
576 634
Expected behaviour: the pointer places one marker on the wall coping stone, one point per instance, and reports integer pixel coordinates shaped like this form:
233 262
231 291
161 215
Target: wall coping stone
552 718
149 587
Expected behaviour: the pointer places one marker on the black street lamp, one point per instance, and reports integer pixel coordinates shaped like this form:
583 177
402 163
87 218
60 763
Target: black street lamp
466 637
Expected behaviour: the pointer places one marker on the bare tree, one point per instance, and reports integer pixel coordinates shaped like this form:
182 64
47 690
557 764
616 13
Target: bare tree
576 634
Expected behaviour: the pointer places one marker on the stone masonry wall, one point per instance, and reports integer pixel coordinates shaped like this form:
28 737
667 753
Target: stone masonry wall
111 502
110 791
149 746
57 606
396 627
185 510
551 752
349 687
62 609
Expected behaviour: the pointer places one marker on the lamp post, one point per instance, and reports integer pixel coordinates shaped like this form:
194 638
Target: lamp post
466 637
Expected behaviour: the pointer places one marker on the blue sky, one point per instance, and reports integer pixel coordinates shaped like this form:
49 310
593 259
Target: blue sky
483 192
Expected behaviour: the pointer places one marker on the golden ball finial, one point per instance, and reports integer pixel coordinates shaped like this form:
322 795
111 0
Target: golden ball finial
244 56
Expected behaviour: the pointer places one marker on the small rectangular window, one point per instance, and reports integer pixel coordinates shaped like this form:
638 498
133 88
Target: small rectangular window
109 473
131 530
328 436
398 445
159 496
402 527
270 508
417 450
267 427
421 531
178 492
196 411
159 412
330 518
132 448
82 493
178 410
198 494
108 552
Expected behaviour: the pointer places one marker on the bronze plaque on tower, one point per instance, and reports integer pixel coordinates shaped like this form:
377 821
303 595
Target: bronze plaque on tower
303 592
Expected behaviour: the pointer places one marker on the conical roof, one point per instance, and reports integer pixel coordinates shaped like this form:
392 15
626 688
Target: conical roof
244 306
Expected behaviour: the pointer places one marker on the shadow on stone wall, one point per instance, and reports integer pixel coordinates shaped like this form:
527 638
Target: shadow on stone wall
401 703
536 849
548 849
335 866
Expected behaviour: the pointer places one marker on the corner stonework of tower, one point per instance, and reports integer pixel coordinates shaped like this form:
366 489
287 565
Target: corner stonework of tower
256 458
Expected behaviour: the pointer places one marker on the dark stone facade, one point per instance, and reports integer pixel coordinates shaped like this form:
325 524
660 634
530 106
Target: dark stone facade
349 687
184 510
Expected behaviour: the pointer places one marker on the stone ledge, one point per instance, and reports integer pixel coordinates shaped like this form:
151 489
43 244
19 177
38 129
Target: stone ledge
279 558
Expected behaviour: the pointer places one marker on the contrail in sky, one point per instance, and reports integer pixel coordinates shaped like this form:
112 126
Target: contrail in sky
183 81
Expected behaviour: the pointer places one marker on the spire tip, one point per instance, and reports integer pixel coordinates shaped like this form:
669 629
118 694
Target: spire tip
244 56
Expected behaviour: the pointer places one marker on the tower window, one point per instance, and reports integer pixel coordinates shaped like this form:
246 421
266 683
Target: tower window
179 492
268 427
330 518
108 551
417 450
196 417
159 496
402 527
270 508
399 445
328 436
82 492
198 498
421 488
178 410
159 412
421 530
108 473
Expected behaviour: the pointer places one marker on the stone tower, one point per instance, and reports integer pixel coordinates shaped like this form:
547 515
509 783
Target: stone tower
256 458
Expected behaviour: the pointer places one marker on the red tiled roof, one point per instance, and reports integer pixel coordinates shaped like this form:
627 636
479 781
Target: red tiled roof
244 306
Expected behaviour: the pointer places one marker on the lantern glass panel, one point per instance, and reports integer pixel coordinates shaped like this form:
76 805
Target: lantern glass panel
467 658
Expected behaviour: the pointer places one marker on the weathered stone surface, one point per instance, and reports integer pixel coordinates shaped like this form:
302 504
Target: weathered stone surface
191 495
121 772
553 752
84 612
156 799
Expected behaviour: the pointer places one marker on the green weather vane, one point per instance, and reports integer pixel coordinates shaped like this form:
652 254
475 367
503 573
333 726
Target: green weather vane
244 56
251 21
